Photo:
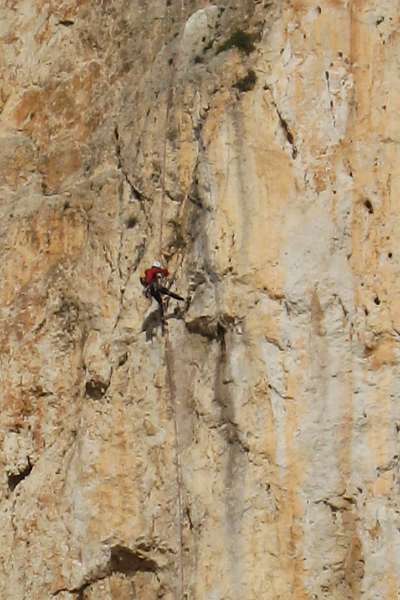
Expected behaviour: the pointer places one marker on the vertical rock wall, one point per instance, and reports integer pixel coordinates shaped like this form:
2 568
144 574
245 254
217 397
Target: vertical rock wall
252 452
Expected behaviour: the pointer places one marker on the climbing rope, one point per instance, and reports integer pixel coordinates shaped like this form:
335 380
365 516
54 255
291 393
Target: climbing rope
169 361
168 105
164 164
178 466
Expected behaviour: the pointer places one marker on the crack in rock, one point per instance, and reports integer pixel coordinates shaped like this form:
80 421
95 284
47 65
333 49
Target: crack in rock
284 124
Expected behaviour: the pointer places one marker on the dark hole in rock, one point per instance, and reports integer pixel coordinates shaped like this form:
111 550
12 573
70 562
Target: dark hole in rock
66 22
377 300
366 312
368 206
319 10
13 479
123 560
131 222
95 389
390 254
122 359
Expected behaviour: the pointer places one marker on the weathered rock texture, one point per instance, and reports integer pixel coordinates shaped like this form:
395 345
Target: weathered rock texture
253 453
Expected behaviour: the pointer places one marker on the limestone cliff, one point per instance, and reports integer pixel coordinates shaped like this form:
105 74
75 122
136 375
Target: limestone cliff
253 452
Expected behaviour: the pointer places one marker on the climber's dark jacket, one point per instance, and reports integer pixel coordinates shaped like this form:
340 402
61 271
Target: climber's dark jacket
153 286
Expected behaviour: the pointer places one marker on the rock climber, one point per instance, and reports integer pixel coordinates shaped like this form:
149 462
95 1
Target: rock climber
152 280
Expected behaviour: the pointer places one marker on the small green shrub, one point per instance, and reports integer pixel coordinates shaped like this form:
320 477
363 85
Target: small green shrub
241 40
247 83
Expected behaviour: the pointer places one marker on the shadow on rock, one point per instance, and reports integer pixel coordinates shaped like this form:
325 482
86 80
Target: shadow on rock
151 323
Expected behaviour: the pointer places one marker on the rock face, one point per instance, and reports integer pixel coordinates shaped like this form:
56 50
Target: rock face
253 451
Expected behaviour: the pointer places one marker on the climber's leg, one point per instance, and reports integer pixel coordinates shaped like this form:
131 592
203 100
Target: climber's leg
156 294
168 292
